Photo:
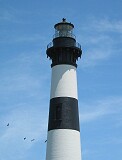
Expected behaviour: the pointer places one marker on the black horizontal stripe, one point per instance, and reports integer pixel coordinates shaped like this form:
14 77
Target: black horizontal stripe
63 114
64 55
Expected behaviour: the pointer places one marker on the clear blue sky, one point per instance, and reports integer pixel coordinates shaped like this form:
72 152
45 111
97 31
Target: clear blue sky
26 27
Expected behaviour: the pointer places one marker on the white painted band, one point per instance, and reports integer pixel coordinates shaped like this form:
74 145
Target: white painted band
64 81
63 144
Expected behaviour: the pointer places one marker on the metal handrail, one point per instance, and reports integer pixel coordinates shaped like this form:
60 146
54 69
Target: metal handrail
50 45
76 45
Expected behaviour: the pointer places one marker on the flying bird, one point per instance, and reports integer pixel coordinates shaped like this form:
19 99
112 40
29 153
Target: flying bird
32 140
45 141
8 124
24 138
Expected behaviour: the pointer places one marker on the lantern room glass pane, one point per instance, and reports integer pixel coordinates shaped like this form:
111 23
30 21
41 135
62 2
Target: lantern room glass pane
64 30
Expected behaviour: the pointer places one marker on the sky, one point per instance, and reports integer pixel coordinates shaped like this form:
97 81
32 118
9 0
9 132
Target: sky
26 28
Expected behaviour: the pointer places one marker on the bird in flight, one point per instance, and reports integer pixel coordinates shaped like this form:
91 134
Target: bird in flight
32 140
8 124
24 138
45 141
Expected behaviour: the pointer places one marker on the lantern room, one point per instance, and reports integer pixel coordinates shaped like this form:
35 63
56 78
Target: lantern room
64 29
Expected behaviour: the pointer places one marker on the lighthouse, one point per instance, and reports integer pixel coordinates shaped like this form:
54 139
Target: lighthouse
63 138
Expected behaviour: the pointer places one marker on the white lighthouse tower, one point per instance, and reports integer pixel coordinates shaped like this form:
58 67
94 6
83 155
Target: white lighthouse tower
63 139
